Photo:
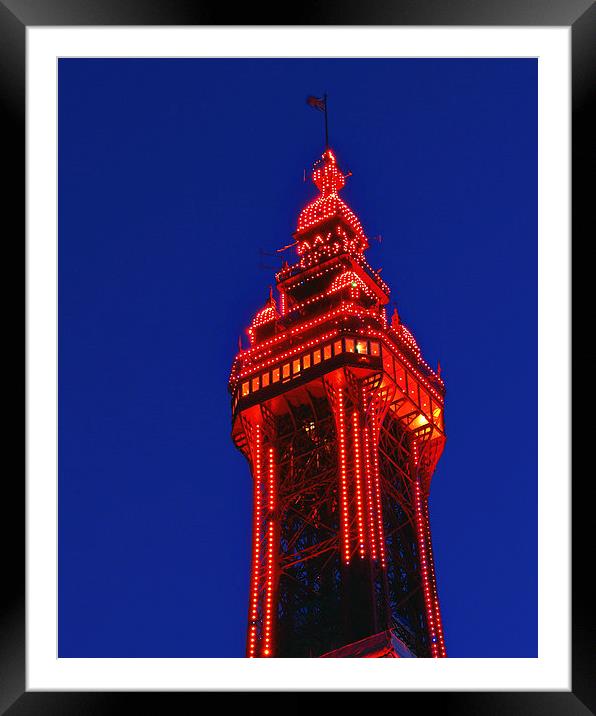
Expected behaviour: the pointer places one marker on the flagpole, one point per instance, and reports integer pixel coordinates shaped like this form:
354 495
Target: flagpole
326 125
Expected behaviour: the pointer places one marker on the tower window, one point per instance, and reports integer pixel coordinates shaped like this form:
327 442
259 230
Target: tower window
316 357
337 347
327 352
285 371
245 388
275 375
296 366
350 345
362 347
374 348
306 361
255 384
265 380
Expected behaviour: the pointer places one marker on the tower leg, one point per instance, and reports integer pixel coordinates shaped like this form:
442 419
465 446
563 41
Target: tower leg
254 611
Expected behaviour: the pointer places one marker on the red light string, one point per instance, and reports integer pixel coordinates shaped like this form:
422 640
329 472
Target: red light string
377 491
256 562
423 554
300 280
344 309
343 479
368 472
433 583
357 484
347 278
369 493
270 575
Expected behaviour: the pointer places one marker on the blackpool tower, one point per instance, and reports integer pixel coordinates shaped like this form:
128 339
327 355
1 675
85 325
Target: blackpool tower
341 421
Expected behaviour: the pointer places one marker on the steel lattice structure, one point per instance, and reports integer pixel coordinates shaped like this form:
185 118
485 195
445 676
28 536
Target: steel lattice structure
341 421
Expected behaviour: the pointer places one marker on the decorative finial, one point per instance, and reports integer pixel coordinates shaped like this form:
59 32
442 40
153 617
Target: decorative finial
439 368
395 319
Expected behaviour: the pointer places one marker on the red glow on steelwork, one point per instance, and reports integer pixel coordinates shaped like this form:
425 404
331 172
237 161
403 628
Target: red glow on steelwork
357 483
324 354
343 477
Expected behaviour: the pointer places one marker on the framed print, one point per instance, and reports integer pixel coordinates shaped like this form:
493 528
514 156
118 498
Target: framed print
298 289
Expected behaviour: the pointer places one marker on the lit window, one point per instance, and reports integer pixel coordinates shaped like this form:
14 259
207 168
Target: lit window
327 352
316 357
285 371
309 427
265 380
255 384
337 349
361 347
374 348
275 375
350 345
306 361
418 422
296 366
245 388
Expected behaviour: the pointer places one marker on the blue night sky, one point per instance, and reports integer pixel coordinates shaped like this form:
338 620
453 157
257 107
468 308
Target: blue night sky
172 175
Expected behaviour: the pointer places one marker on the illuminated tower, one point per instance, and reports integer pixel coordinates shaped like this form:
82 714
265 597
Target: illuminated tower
341 421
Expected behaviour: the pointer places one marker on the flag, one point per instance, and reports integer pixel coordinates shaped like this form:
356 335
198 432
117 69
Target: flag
317 102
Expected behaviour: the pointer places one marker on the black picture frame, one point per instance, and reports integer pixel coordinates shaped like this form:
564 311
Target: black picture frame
15 17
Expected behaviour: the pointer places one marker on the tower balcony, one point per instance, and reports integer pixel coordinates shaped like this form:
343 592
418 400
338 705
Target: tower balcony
417 400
